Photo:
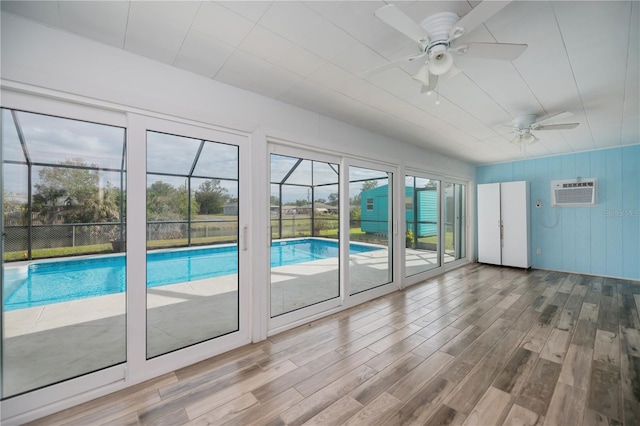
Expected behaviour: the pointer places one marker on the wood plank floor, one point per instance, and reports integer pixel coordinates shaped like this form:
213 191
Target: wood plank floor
480 345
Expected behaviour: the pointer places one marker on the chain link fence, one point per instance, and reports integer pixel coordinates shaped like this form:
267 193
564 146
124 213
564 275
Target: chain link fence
75 239
292 226
59 240
180 234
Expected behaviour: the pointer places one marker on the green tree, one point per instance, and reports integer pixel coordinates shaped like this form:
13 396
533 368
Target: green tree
13 209
46 200
333 199
160 202
432 184
355 215
73 193
368 184
166 202
211 197
183 203
275 201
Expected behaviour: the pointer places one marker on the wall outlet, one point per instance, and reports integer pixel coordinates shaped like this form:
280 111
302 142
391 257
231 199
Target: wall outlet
538 251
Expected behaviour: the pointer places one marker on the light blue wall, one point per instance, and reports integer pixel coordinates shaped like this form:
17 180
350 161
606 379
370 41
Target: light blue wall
602 240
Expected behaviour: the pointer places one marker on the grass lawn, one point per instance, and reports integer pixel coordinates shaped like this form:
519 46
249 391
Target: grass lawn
58 252
448 240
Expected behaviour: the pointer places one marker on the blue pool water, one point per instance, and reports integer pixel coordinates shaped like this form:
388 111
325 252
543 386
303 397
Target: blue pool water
60 281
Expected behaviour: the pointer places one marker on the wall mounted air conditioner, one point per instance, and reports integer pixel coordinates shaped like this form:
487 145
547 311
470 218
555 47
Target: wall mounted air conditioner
580 192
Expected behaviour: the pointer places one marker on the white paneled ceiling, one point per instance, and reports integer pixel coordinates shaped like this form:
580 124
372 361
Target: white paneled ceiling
582 57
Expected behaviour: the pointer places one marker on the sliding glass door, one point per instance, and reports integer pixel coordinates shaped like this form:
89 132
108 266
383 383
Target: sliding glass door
422 233
454 221
304 251
192 241
105 283
370 229
64 272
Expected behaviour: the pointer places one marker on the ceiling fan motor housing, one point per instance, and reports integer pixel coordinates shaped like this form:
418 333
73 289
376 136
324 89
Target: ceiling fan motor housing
439 25
524 121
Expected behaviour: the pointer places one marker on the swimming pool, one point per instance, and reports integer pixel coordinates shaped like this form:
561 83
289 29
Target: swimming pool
43 283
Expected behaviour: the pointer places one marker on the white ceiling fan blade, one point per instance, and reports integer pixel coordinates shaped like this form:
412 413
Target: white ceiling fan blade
561 116
499 51
383 67
478 15
558 126
394 17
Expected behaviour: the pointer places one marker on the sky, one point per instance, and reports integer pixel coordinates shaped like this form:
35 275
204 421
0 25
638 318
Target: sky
54 140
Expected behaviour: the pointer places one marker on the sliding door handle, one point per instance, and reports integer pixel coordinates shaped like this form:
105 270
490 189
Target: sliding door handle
245 231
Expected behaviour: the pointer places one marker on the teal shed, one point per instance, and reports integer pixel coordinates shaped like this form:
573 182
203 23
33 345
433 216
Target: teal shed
374 205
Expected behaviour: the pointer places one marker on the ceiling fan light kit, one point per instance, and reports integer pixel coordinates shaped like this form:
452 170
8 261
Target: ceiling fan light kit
440 61
422 75
525 136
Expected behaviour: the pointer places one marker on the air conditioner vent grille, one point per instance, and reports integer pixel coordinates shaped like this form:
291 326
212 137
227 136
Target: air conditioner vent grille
574 193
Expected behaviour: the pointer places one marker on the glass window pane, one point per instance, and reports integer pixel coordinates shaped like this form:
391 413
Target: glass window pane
192 293
326 211
11 148
16 208
296 211
171 154
217 219
281 166
324 174
301 175
167 198
370 254
275 212
217 160
422 233
53 140
62 317
360 174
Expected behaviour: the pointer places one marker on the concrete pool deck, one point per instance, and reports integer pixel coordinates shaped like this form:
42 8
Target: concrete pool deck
51 343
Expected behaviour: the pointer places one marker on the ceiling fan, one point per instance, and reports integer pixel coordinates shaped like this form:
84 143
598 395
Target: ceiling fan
438 36
525 124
